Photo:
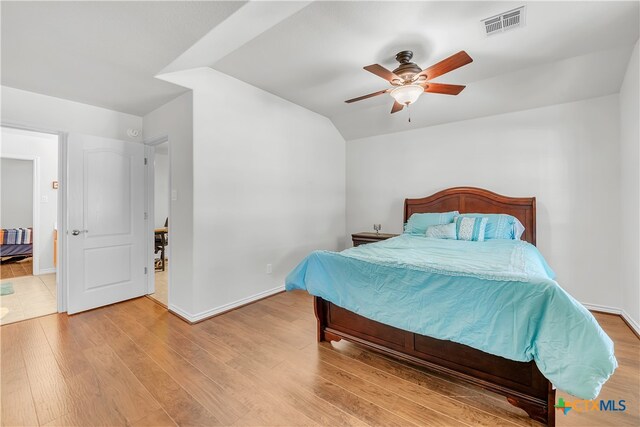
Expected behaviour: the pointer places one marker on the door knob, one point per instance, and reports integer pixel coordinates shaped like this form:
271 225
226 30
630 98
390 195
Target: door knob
76 232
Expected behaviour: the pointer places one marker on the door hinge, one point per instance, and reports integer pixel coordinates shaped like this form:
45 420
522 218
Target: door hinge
146 215
145 270
145 161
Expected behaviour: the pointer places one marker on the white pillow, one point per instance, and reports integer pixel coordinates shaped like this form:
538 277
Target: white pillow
442 231
518 229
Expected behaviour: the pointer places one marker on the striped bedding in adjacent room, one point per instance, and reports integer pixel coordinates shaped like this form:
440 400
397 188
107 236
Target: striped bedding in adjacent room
16 236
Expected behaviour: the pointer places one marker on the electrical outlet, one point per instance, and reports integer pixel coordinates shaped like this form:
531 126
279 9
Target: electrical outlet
269 269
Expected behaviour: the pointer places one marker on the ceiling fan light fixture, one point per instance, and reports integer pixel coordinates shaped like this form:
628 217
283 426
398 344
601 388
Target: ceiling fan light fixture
407 94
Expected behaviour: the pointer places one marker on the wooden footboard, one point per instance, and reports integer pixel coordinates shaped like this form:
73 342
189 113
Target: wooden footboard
522 383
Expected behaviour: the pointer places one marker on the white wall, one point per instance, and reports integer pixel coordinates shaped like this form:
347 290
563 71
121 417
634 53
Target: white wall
161 189
630 188
56 114
269 187
566 155
16 192
175 120
45 147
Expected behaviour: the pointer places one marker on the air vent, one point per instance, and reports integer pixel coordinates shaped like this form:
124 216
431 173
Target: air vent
505 21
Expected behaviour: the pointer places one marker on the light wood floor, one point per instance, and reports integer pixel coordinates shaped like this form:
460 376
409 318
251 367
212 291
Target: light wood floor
135 364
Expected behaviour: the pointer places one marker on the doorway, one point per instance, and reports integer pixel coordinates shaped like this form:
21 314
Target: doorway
159 204
28 223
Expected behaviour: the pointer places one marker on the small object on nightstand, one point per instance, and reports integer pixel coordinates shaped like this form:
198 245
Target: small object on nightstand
368 237
377 228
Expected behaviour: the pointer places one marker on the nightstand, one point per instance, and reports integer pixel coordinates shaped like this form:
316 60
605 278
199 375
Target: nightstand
366 237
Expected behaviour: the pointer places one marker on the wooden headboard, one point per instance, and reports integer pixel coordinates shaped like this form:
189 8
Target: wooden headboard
477 200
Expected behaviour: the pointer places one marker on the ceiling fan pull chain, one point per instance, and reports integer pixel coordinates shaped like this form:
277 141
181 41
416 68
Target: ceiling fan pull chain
409 113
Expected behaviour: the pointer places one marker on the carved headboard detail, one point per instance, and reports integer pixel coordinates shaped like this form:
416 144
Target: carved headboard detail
477 200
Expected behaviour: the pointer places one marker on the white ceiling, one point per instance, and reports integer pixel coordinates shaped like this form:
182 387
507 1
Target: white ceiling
315 58
102 53
107 53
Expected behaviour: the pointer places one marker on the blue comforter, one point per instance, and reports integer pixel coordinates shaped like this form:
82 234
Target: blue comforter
497 296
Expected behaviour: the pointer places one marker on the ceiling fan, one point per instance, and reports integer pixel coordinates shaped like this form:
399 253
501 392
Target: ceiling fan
410 81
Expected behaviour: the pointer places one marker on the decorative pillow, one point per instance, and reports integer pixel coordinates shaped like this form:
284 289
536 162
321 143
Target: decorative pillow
471 228
442 231
419 222
518 229
499 226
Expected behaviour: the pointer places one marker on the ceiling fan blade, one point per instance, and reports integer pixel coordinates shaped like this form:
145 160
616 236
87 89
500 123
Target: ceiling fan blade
451 63
443 88
371 95
380 71
396 107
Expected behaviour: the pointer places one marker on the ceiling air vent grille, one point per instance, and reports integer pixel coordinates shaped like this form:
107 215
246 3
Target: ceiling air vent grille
504 21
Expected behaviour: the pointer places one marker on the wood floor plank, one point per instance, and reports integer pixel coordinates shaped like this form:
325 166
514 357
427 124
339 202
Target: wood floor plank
10 358
262 349
158 418
260 402
66 350
51 395
380 396
119 385
91 404
16 403
289 388
177 402
209 393
351 402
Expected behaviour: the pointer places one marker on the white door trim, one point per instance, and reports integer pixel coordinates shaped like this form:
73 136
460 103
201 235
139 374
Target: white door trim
150 150
35 221
149 184
61 276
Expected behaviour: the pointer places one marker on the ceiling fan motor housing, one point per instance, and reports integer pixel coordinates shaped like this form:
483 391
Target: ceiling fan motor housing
407 69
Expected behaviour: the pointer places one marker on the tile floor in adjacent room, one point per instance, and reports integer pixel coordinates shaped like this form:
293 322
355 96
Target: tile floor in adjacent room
33 296
162 289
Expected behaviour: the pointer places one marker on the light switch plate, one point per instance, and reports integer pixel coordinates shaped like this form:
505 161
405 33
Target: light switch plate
174 194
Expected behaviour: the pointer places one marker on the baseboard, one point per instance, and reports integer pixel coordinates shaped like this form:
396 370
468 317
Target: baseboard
204 315
47 271
602 308
633 325
182 314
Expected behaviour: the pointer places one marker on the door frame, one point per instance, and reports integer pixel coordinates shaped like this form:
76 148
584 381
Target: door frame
150 149
35 210
61 268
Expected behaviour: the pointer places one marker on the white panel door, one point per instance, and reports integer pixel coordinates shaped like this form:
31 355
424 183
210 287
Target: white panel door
106 236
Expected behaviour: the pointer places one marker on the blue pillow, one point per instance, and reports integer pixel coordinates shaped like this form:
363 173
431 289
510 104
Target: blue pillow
471 228
499 226
419 222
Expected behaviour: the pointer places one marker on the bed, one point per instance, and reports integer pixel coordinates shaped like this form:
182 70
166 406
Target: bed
16 244
518 377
